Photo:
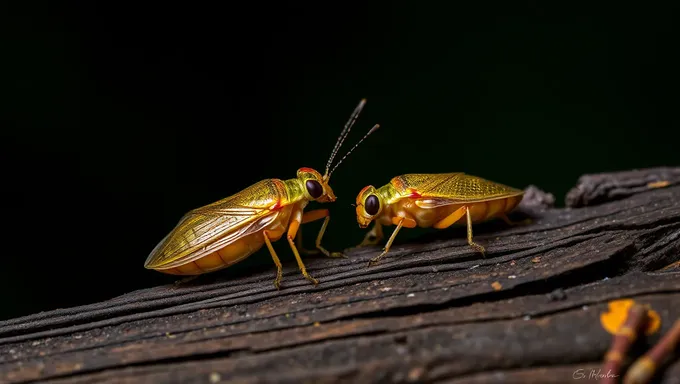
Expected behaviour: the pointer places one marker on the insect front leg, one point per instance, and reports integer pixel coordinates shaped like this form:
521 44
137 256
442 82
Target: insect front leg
300 246
293 228
400 223
374 236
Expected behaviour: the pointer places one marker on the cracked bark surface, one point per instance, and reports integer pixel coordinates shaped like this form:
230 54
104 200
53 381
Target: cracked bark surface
433 310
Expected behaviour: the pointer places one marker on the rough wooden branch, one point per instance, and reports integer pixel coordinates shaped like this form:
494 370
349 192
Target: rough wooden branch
431 311
592 189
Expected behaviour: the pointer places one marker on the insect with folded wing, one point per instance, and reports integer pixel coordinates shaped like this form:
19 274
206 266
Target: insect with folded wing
436 200
226 232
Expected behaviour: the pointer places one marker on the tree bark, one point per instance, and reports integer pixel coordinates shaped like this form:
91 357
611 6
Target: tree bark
432 310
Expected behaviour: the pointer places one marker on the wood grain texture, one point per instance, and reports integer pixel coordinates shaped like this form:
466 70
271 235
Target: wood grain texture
432 311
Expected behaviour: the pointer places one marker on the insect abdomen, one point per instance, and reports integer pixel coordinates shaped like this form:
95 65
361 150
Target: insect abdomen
234 252
487 210
229 255
479 211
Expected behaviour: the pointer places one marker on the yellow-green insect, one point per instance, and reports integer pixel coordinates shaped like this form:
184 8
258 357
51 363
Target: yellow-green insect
432 200
225 232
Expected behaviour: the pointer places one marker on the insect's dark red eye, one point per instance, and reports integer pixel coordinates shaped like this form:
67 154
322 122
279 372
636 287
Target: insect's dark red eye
372 205
314 189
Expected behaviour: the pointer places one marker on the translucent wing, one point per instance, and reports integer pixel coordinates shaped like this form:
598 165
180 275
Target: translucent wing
441 189
206 229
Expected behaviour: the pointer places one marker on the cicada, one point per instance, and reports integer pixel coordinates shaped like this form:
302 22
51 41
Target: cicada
432 200
226 232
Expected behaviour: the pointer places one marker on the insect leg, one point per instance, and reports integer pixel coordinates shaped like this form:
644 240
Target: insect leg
186 280
298 216
279 268
469 233
314 215
389 243
514 223
374 236
292 231
321 232
451 219
301 248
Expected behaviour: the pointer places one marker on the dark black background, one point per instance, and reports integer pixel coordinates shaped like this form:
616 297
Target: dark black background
118 118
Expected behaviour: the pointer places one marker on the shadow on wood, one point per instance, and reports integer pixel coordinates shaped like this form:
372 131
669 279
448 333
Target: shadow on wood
432 311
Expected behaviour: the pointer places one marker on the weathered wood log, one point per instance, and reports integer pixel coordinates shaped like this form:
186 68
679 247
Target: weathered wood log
432 311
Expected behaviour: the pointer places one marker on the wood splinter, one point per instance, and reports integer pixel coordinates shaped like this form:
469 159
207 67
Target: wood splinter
644 368
659 184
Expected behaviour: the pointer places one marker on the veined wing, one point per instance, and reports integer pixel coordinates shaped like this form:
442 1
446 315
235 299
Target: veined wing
206 229
437 190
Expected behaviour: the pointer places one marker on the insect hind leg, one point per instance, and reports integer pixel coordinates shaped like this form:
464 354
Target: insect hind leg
186 280
511 223
474 245
279 268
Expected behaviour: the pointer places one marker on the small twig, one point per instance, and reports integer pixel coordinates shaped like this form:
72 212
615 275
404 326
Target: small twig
623 339
644 368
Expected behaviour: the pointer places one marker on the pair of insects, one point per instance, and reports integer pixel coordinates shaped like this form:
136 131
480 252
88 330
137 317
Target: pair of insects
225 232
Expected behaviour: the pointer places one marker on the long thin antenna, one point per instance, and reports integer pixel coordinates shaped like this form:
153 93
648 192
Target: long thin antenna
375 128
344 133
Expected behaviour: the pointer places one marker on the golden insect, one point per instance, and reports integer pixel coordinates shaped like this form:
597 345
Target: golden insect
436 200
226 232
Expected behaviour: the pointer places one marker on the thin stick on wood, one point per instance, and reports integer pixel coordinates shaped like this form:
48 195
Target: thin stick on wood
623 340
644 368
